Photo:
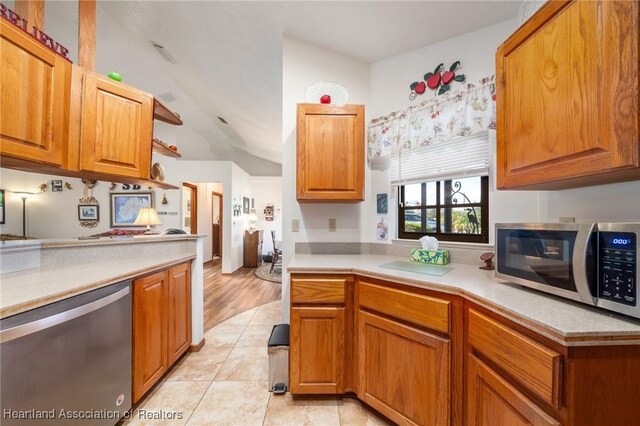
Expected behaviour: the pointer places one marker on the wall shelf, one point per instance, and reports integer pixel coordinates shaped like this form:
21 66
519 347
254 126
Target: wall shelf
162 113
162 149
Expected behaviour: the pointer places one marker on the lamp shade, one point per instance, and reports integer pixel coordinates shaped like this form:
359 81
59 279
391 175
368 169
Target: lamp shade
147 217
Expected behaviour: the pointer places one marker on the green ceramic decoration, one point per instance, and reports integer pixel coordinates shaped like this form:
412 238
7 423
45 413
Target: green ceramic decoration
115 75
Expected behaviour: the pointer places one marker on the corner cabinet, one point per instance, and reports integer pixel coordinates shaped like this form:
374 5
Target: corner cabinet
161 324
35 92
568 97
330 153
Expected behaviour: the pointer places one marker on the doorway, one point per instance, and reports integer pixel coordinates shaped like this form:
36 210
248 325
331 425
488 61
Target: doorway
190 208
216 224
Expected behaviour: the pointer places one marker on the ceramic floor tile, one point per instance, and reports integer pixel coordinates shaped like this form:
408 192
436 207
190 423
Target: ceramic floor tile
171 403
245 364
232 403
353 413
266 317
255 336
200 366
271 306
284 410
240 319
223 336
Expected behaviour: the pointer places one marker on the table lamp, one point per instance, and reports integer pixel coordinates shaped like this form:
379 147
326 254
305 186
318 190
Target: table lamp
148 217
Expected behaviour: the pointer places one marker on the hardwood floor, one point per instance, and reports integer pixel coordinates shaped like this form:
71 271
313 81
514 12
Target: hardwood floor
228 295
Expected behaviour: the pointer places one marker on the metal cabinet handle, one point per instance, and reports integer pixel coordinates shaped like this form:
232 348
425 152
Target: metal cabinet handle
44 323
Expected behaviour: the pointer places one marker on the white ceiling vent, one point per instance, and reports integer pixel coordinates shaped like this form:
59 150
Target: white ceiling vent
163 52
168 97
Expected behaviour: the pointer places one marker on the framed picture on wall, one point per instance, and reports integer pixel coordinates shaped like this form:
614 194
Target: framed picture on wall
1 206
245 205
88 212
126 205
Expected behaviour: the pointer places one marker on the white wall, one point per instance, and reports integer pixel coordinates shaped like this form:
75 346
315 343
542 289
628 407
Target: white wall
55 214
303 65
268 190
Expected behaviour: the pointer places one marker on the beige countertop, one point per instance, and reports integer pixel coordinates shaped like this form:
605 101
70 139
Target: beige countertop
561 320
77 242
25 290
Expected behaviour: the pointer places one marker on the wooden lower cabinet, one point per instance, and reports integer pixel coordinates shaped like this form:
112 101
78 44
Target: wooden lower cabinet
493 401
161 324
317 350
404 371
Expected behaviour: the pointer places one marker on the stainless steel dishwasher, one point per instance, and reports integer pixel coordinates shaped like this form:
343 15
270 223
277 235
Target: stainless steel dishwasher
68 363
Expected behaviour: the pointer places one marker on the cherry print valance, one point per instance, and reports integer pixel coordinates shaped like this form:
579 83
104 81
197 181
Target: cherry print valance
457 113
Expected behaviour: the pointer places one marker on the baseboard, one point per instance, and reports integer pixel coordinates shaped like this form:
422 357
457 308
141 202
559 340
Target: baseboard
196 348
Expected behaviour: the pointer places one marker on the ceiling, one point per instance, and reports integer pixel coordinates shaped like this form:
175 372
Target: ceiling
229 54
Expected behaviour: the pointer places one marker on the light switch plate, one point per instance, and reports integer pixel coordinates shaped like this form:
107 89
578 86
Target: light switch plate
295 225
332 225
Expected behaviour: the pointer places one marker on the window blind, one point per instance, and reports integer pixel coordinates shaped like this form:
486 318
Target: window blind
451 159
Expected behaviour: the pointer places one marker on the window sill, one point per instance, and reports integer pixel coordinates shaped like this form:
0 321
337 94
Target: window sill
446 244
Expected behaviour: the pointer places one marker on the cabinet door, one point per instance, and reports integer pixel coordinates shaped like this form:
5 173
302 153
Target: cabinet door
568 97
404 371
317 354
117 125
179 311
492 401
149 332
330 153
35 90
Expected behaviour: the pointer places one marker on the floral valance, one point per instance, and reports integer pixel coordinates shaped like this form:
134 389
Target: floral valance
460 113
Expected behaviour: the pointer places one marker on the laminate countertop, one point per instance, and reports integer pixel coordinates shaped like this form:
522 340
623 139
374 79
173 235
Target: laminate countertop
29 289
564 321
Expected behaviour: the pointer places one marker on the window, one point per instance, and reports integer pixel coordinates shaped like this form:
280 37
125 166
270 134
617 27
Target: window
450 210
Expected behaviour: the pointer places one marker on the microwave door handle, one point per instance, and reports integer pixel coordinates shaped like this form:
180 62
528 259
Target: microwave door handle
580 276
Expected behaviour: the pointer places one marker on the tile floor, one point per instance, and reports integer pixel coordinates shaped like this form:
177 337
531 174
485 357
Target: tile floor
226 384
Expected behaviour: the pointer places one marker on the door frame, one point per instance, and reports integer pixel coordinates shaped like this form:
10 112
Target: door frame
221 210
193 227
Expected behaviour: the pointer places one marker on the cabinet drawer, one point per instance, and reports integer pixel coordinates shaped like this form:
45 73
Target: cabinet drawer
422 310
317 290
535 366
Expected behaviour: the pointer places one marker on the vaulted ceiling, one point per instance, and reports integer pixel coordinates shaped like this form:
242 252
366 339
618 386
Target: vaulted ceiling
229 54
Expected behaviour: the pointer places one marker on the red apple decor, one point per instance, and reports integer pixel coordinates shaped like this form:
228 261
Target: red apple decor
325 99
437 80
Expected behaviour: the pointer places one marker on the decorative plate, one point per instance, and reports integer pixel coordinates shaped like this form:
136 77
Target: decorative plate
157 172
339 94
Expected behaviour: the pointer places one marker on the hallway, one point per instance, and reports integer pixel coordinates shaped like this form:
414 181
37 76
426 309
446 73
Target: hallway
228 295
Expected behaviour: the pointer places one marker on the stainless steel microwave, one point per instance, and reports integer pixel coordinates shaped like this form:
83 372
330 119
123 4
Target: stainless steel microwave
593 263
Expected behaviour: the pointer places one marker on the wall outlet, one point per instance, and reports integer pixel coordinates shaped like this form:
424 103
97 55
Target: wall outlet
295 225
332 225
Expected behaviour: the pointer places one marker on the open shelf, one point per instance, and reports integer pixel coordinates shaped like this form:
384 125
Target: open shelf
160 148
162 113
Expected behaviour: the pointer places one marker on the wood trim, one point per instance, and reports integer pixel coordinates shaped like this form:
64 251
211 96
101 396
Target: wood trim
197 347
193 227
422 310
87 34
533 365
221 213
32 11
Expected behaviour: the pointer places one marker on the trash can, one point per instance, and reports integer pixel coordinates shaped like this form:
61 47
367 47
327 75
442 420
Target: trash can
278 351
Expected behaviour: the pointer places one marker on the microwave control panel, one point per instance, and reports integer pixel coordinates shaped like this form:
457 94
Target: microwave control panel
618 267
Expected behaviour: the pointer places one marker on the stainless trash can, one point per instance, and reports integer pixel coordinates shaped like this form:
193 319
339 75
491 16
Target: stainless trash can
278 351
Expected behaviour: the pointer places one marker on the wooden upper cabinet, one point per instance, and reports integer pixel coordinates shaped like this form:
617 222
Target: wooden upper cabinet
330 153
179 311
567 97
116 128
35 91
